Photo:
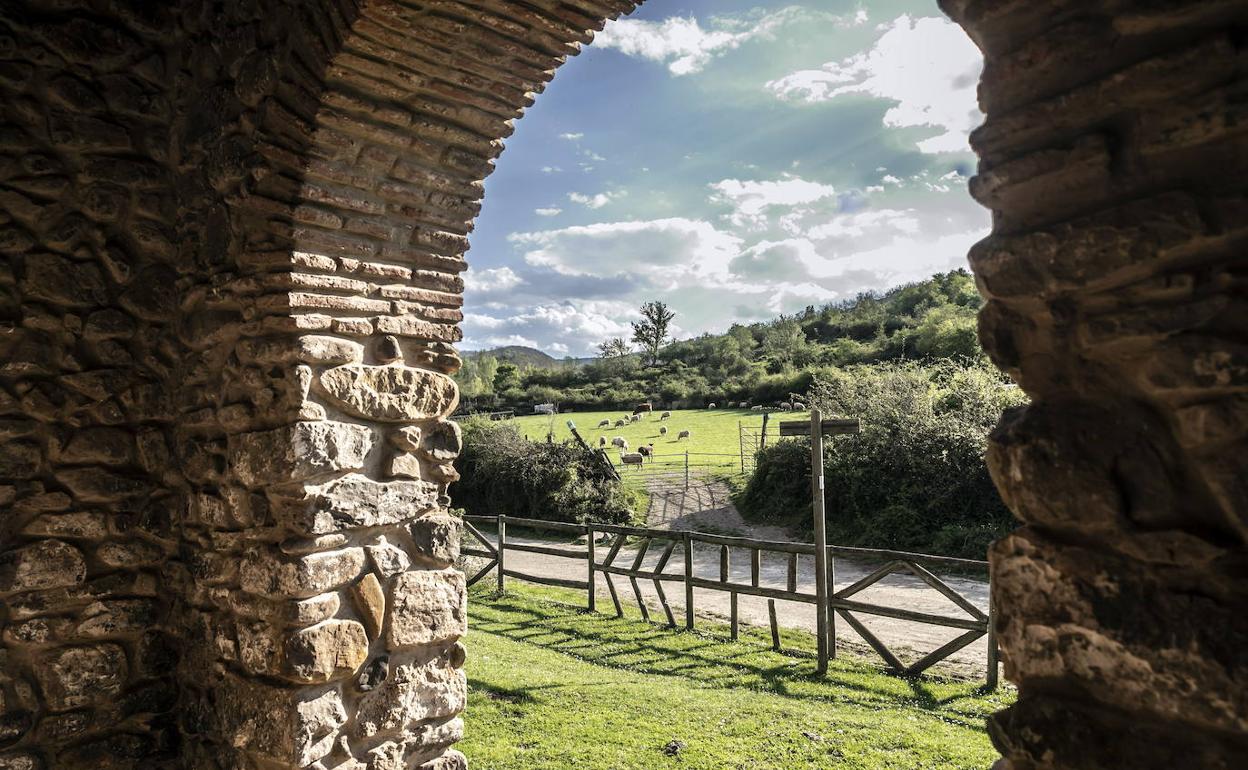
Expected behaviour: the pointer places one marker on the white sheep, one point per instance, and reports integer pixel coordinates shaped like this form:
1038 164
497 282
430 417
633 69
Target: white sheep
604 423
683 434
662 430
602 441
631 458
665 415
635 418
798 406
620 442
786 406
711 405
646 451
621 423
756 408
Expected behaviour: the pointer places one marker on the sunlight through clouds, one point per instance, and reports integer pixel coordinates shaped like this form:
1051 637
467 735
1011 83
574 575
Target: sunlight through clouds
928 66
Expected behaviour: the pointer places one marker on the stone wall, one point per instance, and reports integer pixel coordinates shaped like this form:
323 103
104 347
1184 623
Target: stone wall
233 235
1115 161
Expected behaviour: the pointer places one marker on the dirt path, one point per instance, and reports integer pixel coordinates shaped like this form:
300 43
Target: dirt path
707 507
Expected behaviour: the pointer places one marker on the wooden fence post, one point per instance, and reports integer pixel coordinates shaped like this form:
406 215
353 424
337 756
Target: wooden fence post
994 654
502 547
830 613
821 539
593 601
688 582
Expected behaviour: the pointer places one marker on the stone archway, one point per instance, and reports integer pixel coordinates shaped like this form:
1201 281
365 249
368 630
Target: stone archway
233 238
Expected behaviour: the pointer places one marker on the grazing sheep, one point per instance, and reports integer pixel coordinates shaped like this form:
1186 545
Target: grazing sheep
604 423
620 442
665 415
662 430
683 434
786 406
634 418
799 406
646 451
756 408
621 423
602 441
631 458
711 405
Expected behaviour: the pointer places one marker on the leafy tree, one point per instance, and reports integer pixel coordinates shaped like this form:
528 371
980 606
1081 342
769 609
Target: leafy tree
616 347
507 377
652 331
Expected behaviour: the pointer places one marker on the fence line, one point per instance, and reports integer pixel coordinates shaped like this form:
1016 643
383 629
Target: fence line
975 625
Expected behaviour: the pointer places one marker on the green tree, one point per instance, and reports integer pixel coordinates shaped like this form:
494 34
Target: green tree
652 331
506 377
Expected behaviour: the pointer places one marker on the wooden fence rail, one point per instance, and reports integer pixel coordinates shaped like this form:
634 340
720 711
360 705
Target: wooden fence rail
975 624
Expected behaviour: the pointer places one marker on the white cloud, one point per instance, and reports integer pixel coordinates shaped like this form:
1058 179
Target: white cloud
928 66
553 211
592 201
681 43
572 136
752 202
664 252
551 169
874 222
550 326
491 280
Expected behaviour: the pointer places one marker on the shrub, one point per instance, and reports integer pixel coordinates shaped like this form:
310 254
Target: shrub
915 477
504 473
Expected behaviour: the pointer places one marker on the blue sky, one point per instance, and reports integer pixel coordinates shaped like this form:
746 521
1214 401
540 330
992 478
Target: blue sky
736 159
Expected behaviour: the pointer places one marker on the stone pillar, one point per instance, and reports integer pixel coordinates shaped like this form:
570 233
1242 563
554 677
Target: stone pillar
1115 160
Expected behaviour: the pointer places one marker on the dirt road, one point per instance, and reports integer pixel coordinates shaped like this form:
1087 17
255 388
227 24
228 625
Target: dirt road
706 507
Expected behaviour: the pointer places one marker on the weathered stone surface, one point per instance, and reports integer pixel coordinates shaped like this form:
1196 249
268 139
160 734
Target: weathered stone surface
271 574
405 465
437 537
388 559
427 607
412 693
330 650
443 442
41 566
80 524
293 726
355 501
406 438
300 451
393 393
74 677
370 598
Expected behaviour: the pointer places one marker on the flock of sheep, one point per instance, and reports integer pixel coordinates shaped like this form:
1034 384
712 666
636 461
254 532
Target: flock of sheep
638 457
621 443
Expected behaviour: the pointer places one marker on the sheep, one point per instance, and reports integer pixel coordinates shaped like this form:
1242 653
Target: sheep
662 430
798 406
602 442
786 406
604 423
684 434
665 415
711 405
631 458
646 451
756 408
634 418
621 423
620 442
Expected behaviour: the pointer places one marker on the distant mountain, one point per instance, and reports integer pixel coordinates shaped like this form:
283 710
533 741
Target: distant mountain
522 355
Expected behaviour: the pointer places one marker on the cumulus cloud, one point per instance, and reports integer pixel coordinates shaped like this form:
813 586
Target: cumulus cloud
585 323
682 44
927 66
496 279
553 211
753 202
591 201
653 253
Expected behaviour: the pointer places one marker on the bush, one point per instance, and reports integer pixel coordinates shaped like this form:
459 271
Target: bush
504 473
915 478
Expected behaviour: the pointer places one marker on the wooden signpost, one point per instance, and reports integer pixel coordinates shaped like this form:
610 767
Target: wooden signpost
817 429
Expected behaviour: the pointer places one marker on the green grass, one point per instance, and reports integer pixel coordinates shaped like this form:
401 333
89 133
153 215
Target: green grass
553 687
713 430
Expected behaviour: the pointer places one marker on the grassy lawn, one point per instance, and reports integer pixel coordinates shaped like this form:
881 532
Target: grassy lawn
552 687
713 430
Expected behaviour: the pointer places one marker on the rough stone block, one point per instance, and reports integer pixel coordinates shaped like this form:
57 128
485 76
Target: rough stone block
44 565
427 607
297 726
329 650
393 393
370 599
74 677
355 501
412 693
388 559
437 537
267 573
300 451
443 442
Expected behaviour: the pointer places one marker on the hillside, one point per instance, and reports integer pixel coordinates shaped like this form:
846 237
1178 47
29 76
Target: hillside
761 363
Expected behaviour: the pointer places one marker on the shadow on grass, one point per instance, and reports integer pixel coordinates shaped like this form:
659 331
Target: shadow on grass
711 660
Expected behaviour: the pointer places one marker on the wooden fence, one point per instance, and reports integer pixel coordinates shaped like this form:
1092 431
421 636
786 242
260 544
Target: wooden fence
600 558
